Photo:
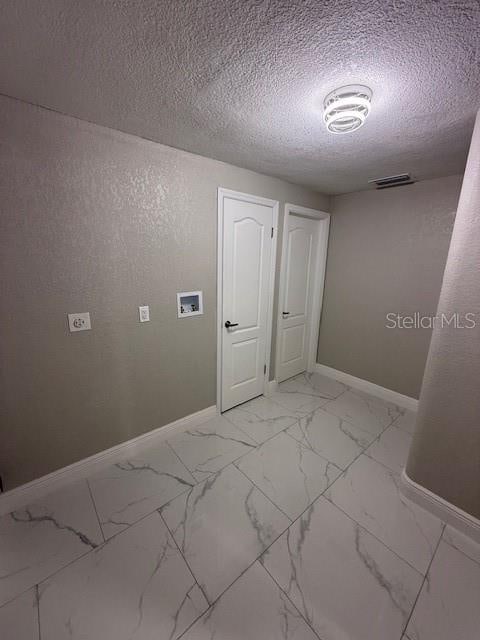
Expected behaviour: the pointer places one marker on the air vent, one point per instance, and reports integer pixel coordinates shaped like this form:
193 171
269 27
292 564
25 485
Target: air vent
392 181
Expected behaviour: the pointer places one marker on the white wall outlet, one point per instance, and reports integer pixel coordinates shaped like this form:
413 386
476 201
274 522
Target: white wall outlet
79 322
144 314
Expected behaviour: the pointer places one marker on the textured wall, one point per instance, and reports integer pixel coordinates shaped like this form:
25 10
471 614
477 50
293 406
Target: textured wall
386 254
445 454
95 220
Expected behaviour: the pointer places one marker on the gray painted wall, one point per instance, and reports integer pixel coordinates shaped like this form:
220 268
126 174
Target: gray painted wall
445 453
387 253
100 221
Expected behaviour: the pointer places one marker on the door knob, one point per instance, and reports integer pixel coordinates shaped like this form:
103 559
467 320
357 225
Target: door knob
229 325
285 313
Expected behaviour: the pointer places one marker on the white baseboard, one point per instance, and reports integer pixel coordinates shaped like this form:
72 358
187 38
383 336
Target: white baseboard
369 387
270 387
32 491
449 513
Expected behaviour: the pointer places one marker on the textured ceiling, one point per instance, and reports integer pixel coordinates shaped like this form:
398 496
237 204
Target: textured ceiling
243 80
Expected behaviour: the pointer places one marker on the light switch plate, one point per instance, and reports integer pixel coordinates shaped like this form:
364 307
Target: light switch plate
79 321
144 314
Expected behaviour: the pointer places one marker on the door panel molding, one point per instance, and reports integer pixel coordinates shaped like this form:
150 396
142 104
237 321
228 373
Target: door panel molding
274 205
291 304
318 282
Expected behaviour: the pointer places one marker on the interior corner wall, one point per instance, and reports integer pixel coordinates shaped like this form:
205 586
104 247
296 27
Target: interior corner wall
96 220
445 454
387 253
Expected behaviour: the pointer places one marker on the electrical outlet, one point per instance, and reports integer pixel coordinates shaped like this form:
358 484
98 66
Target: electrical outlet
144 314
79 321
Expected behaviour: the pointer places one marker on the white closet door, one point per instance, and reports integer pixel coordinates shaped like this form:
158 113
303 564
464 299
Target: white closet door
296 306
247 246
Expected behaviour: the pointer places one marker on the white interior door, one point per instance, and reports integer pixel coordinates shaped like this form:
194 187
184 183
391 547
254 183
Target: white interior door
246 293
298 296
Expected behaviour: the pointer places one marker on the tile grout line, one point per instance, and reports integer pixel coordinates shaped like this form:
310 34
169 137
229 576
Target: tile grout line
182 463
263 493
50 575
424 576
170 533
329 462
404 631
19 595
259 444
256 558
37 598
289 599
238 578
420 573
97 548
362 452
95 509
401 410
54 573
245 453
450 544
305 413
103 545
389 469
146 515
348 515
211 473
377 440
353 519
296 416
319 455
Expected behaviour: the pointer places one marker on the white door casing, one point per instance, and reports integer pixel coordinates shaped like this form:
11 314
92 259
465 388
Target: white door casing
246 257
305 237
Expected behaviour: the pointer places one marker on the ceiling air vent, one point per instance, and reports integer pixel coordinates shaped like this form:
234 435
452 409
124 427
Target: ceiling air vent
392 181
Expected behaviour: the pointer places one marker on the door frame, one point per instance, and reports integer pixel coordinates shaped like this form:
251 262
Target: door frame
244 197
318 284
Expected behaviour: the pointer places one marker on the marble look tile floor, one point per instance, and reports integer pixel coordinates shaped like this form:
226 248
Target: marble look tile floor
221 526
391 448
130 489
211 446
365 411
280 519
136 585
330 436
254 608
294 486
370 597
19 618
40 539
261 418
369 493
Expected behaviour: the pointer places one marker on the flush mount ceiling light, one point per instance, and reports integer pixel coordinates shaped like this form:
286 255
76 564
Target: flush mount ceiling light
346 109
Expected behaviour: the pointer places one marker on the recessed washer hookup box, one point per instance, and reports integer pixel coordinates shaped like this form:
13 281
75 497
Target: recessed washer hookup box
189 303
